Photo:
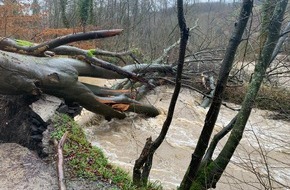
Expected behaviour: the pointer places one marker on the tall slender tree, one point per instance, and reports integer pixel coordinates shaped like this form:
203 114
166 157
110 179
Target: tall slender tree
63 4
35 7
85 12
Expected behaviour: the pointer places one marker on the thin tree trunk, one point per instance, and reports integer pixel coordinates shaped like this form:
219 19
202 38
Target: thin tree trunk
213 112
274 27
143 164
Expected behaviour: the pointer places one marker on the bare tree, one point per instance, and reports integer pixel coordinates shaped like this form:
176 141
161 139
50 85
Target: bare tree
207 174
143 164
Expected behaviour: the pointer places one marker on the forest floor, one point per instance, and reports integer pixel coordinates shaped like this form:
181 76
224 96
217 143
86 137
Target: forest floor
22 169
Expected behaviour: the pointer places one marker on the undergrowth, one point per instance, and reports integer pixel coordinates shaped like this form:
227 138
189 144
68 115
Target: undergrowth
269 98
85 161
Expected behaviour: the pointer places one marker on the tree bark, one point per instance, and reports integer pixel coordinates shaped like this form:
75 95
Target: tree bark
59 77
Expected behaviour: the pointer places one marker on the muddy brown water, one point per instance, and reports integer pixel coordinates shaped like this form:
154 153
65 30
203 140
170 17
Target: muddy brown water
264 152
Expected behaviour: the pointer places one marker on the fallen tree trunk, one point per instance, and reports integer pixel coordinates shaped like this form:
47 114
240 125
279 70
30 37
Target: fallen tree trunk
25 70
59 77
22 73
26 74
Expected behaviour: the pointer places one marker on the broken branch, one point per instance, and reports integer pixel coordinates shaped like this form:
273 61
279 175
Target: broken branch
60 171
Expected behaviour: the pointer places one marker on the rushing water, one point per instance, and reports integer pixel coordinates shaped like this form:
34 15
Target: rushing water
264 151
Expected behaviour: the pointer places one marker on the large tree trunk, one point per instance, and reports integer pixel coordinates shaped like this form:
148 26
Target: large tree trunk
54 76
59 77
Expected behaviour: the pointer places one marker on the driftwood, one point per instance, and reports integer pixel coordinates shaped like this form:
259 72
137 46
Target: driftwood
209 83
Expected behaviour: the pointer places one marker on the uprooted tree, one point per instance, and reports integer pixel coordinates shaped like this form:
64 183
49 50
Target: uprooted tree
24 70
29 70
53 68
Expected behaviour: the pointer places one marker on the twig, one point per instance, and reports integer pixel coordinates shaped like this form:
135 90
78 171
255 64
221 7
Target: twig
60 172
264 157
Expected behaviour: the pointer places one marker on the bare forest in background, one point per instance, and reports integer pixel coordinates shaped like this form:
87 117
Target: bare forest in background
149 27
234 43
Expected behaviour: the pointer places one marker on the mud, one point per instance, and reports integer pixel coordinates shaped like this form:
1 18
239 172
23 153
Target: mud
22 169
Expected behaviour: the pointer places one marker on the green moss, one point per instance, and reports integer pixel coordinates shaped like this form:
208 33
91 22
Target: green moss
86 161
24 43
91 52
137 52
203 178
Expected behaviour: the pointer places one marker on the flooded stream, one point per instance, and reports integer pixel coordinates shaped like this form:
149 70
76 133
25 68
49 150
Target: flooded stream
264 152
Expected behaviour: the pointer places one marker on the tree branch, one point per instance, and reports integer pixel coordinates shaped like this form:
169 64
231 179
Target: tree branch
59 145
280 41
217 138
86 56
24 47
166 51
